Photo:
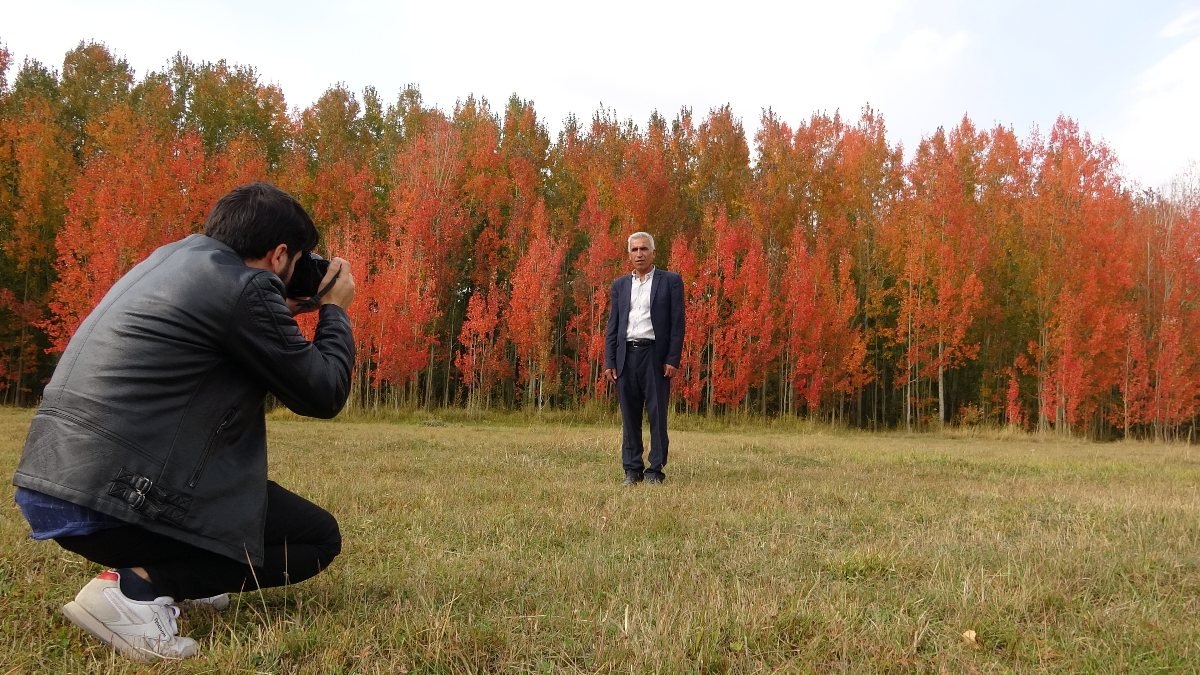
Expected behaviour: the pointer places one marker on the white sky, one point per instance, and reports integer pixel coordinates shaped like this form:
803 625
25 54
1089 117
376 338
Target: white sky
1128 72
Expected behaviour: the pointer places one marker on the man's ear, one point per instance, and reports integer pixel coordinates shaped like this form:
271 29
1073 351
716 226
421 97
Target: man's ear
278 259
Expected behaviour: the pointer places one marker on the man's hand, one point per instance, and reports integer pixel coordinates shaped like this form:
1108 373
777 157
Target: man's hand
669 371
610 374
342 293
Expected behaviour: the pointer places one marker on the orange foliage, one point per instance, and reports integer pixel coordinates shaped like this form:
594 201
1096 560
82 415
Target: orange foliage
823 274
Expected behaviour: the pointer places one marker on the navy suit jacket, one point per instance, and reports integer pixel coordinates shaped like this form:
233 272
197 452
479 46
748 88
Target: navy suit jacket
666 315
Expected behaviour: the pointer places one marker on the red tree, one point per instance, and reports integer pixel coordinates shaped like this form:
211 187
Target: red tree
743 342
939 248
595 268
529 321
1083 280
142 190
700 318
481 360
825 353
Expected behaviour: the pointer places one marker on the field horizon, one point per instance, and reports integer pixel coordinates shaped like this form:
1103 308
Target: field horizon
509 545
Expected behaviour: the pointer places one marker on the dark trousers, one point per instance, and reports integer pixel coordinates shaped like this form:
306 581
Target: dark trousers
301 540
642 385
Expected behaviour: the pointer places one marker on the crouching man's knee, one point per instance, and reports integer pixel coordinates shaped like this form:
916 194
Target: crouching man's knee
324 537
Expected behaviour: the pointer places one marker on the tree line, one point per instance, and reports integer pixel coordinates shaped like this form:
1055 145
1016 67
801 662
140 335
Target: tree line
980 278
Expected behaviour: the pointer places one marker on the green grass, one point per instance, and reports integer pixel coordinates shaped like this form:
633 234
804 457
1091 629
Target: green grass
475 546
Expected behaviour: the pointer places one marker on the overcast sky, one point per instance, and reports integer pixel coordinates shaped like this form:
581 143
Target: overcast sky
1127 72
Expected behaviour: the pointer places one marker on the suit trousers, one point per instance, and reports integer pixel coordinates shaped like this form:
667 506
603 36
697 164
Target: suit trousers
301 540
641 385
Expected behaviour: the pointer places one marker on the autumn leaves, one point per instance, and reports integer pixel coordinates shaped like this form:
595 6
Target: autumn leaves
979 277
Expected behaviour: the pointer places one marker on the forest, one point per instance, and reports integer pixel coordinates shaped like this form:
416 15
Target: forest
983 278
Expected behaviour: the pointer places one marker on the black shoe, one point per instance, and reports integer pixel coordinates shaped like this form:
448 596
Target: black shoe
632 478
655 478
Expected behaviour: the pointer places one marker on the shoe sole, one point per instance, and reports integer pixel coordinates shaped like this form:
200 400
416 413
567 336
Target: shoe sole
79 616
191 605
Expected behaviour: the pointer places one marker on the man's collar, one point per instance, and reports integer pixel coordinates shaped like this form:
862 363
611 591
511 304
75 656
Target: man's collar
634 273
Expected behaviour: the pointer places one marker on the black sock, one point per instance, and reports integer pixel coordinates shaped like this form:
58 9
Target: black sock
135 587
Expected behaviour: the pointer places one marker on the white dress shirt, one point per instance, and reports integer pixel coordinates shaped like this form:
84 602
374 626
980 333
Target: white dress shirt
639 327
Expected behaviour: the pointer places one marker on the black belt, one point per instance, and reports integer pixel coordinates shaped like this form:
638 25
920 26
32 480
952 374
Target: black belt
640 344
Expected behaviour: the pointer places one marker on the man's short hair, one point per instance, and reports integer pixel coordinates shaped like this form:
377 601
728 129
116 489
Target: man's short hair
255 218
639 235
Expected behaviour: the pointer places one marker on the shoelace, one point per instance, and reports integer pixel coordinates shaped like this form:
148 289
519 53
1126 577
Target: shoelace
172 612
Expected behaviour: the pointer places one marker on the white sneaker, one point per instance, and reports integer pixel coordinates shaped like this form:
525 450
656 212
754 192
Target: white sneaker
217 603
139 630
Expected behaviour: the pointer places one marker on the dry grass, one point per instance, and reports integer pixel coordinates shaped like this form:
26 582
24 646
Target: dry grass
511 547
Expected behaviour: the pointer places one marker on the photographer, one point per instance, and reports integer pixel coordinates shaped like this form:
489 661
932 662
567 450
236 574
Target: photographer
148 453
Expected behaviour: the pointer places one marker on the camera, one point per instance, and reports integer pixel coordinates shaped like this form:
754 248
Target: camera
306 277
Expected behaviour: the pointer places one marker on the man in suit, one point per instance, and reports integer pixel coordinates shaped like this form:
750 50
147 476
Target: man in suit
642 349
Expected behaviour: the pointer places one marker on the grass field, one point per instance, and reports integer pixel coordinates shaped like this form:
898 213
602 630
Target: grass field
512 547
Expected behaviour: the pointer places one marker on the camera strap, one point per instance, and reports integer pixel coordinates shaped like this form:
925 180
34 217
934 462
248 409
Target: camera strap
316 299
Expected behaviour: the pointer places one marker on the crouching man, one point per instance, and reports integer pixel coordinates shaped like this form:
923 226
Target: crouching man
148 453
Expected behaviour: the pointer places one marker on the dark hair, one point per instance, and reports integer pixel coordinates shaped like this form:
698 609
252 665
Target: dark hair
255 218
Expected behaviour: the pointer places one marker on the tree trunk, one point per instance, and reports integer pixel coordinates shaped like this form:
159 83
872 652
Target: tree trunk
941 388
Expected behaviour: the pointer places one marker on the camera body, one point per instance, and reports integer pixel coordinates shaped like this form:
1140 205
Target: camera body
306 277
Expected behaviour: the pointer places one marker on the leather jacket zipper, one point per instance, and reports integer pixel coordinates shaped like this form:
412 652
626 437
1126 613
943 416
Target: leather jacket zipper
63 414
208 448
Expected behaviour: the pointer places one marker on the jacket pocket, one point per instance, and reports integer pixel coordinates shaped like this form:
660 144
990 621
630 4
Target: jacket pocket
119 440
208 447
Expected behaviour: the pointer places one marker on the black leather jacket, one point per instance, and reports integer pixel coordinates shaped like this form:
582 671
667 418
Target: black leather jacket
154 414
